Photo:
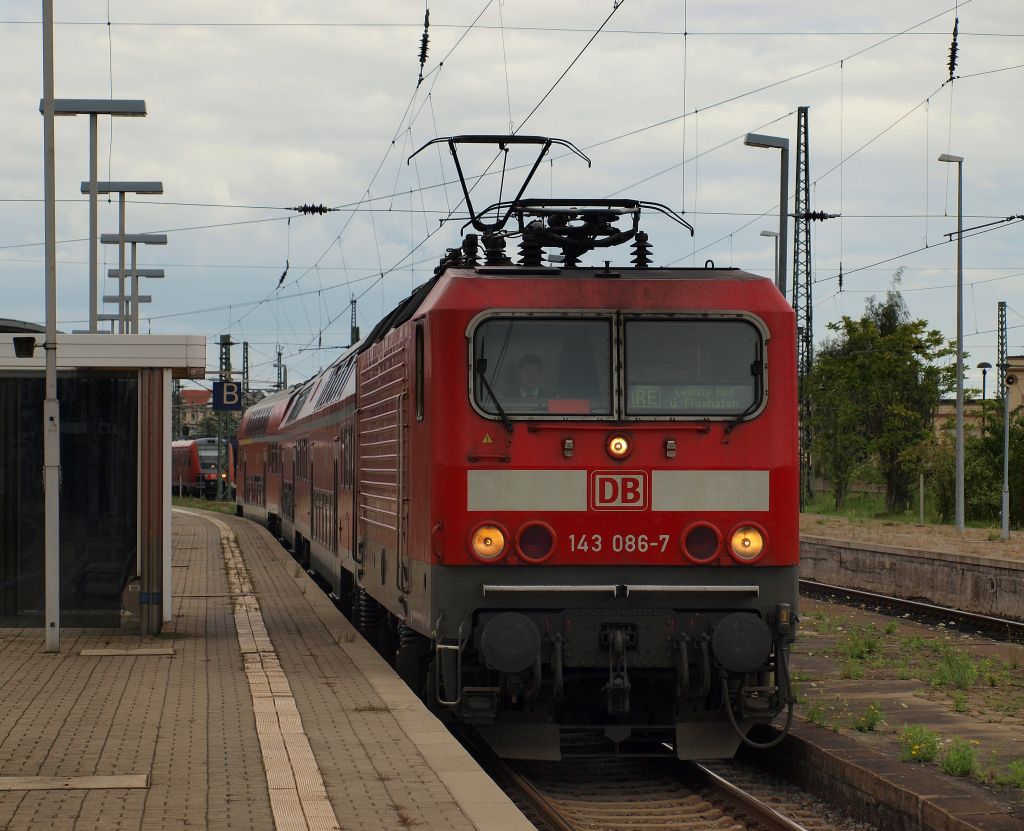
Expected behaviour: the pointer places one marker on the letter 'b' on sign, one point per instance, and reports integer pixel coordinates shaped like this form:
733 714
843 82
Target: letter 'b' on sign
620 490
227 395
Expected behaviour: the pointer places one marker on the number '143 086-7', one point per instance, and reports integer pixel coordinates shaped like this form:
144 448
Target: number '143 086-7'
619 543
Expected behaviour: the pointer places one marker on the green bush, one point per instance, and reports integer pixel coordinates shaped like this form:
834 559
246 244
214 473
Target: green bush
959 759
918 744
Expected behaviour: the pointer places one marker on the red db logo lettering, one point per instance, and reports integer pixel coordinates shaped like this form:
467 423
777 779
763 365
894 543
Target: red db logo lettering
618 490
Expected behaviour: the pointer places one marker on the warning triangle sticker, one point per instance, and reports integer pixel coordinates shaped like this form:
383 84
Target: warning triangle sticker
488 439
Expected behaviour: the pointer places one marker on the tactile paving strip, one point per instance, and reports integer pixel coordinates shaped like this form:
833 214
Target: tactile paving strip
298 798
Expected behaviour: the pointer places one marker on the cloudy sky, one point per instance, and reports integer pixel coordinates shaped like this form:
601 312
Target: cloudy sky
258 107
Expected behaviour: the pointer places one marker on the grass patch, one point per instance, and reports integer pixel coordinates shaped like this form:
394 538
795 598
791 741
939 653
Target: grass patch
860 645
960 758
371 708
827 712
1014 776
918 744
852 670
868 721
959 701
955 669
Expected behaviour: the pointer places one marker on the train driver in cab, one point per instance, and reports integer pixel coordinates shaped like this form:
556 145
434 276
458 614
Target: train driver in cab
529 379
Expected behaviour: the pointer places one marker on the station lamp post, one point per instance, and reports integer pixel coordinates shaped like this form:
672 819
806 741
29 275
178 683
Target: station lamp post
777 143
959 162
984 366
138 273
95 107
135 273
774 235
121 188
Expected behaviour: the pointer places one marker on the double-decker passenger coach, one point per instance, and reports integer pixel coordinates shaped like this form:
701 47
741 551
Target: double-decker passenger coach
563 498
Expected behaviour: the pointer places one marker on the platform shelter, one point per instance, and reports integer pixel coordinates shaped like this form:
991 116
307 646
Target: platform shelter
115 497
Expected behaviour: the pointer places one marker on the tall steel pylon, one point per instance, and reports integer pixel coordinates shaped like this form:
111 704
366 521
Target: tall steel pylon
1001 360
802 287
222 417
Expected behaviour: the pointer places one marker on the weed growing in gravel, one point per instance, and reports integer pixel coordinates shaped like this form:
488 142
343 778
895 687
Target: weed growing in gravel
918 744
960 758
891 627
867 721
371 708
859 645
827 712
1015 776
959 701
955 669
852 670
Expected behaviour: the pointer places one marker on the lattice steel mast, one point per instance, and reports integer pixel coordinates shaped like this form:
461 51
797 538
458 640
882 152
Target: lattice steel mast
802 287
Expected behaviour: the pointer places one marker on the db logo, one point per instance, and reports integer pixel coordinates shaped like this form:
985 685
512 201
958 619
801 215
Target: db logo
619 490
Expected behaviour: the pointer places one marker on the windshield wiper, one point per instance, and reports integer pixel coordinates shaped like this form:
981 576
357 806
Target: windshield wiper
757 370
481 370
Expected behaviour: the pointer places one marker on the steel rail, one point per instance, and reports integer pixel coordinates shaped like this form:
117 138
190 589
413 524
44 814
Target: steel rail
1013 627
540 803
758 811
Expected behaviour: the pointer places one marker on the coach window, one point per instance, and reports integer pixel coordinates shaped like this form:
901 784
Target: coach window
529 367
693 368
419 372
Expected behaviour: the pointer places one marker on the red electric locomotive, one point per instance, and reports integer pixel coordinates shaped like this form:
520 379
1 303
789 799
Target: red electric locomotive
564 498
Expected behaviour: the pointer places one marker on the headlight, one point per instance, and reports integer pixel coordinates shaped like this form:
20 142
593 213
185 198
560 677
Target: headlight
747 543
487 543
618 446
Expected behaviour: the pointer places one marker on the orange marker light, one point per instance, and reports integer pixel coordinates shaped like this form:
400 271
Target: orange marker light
618 447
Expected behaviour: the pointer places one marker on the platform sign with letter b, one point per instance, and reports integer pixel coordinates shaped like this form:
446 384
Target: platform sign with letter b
227 395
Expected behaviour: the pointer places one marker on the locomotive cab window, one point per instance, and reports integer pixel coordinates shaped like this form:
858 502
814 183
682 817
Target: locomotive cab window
530 367
710 368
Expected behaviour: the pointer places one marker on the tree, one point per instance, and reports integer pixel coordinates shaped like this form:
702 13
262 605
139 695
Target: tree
873 391
983 469
840 443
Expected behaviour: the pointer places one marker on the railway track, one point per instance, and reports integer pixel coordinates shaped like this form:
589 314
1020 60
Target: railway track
601 794
992 626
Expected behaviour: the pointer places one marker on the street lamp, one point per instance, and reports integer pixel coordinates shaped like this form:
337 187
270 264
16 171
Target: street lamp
94 107
135 274
775 142
774 235
984 366
959 162
121 188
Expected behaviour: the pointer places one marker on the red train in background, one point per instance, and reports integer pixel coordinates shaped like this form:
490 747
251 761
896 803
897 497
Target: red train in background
564 499
195 467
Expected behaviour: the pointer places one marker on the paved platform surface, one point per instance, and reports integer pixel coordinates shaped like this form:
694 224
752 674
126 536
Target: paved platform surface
259 708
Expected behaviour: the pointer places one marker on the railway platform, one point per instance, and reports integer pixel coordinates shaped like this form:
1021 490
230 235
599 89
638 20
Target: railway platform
973 571
259 707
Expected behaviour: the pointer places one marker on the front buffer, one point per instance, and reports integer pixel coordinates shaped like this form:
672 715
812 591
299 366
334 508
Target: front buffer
554 661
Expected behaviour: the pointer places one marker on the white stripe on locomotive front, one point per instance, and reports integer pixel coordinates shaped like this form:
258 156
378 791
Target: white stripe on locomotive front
566 490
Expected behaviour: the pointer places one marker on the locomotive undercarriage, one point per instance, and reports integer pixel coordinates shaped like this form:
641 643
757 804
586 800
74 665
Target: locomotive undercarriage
637 677
623 676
